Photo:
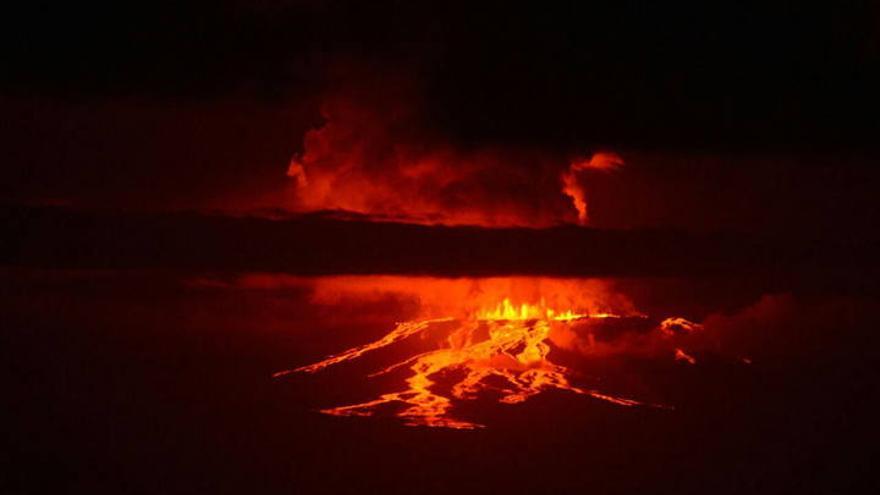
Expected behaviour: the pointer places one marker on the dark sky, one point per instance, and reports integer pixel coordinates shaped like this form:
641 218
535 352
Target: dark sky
638 73
149 104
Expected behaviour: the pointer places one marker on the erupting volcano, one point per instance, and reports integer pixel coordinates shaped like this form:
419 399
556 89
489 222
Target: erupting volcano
499 351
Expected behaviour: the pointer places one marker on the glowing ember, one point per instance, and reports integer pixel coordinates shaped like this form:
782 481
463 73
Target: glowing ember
678 326
680 355
503 349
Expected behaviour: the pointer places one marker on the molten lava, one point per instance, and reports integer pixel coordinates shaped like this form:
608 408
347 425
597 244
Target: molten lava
487 339
503 349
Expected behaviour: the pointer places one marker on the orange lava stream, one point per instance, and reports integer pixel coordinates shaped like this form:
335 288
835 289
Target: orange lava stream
402 331
501 349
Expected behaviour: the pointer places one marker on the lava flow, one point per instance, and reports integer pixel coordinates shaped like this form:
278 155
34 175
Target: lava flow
502 349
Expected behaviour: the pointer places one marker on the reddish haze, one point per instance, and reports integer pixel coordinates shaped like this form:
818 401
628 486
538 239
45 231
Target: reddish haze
373 156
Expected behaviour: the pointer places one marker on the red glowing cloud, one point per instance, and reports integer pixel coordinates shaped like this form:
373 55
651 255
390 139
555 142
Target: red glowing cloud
372 155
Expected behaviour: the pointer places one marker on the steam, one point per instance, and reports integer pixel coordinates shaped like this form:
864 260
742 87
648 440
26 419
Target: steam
574 189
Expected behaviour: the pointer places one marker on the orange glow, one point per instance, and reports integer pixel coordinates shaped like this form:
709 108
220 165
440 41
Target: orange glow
498 349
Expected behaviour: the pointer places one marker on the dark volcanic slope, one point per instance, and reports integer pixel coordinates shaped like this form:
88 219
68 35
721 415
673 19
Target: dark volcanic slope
316 244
